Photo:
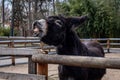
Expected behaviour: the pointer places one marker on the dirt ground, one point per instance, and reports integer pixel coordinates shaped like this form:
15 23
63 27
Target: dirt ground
112 74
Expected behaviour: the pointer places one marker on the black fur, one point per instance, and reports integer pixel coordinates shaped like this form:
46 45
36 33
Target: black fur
68 43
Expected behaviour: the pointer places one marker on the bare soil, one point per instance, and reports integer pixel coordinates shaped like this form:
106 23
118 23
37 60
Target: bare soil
112 74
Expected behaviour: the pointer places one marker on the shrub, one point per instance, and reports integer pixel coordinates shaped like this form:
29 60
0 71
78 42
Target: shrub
4 31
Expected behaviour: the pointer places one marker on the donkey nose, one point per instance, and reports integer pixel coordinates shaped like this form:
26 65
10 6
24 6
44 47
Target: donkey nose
36 30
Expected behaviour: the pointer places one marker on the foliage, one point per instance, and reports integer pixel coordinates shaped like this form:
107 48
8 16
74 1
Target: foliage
21 13
4 31
104 17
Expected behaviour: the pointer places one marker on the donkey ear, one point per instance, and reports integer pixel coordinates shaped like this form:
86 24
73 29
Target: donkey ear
76 21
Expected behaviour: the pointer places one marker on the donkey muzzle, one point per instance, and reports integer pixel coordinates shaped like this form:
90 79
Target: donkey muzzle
39 28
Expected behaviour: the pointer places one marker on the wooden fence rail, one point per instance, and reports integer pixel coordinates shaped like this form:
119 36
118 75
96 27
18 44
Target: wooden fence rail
80 61
18 38
93 62
107 43
18 76
12 41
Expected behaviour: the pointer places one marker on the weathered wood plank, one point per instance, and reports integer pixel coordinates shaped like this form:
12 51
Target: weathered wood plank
18 38
17 76
82 61
42 69
17 51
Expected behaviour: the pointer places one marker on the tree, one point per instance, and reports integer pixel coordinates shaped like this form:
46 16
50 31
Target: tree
4 13
26 11
114 10
23 12
103 16
0 14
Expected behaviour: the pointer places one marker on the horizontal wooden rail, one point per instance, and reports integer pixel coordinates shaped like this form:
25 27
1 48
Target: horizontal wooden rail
19 41
107 43
18 76
18 38
23 41
91 62
17 51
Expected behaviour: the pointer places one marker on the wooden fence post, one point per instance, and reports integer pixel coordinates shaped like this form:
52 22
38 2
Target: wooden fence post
42 68
32 66
11 45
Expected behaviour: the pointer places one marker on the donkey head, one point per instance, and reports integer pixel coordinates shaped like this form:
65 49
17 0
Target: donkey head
53 30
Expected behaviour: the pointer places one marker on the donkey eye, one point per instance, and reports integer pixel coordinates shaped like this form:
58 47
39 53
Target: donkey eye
58 22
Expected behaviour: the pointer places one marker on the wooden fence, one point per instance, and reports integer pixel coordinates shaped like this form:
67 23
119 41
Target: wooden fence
11 41
80 61
34 42
42 60
12 50
21 42
108 43
21 53
32 66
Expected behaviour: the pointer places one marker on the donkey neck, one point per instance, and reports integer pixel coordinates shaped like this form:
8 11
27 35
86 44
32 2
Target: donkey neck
71 40
71 45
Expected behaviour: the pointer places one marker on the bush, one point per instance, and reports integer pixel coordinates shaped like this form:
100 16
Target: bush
4 31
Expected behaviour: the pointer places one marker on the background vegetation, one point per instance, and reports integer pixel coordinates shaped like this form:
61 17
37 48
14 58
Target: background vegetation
4 31
104 15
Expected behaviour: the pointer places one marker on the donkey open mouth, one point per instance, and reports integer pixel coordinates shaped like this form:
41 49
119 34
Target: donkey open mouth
39 28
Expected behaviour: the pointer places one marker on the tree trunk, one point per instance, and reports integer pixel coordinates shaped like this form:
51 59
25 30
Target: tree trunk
3 16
